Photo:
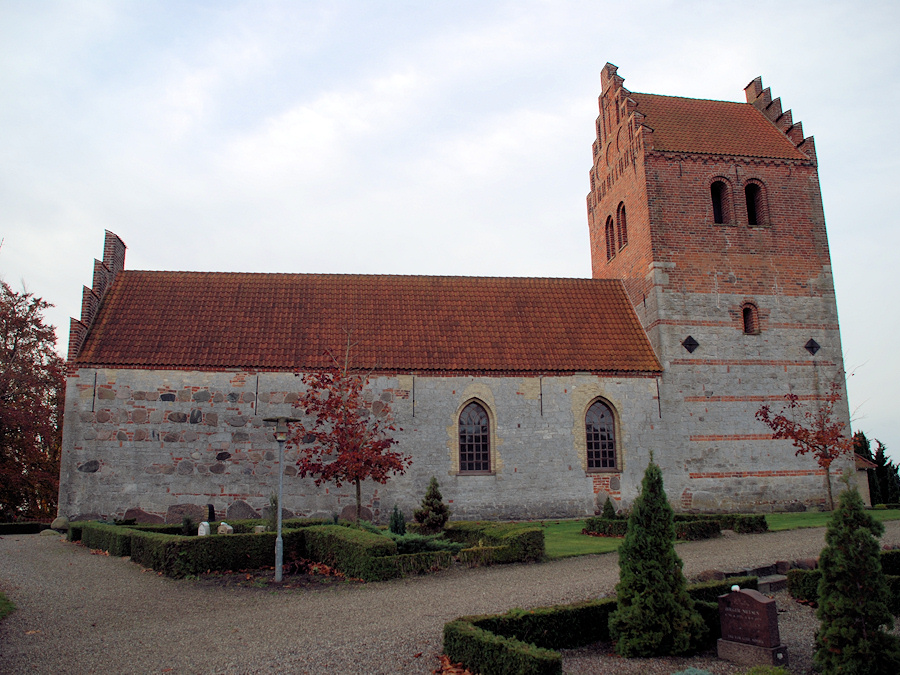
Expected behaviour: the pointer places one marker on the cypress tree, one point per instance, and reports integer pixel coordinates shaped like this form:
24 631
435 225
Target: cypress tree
852 637
655 614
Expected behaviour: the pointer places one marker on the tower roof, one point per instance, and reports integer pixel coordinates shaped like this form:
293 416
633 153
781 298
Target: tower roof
712 127
209 320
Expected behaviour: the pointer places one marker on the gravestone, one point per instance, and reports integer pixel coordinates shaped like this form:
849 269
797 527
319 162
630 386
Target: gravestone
750 634
203 530
225 528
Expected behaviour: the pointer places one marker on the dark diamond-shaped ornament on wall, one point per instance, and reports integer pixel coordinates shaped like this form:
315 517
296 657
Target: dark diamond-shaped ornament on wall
690 344
812 347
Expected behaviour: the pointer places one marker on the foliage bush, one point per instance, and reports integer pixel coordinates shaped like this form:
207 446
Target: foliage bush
434 513
490 654
853 612
419 543
655 614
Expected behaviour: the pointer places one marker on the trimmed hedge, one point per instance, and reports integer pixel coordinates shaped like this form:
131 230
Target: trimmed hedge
804 585
605 527
512 543
357 553
524 641
23 528
694 530
688 526
740 523
489 654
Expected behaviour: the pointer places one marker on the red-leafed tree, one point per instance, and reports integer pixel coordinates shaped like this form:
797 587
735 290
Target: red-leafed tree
31 391
812 429
344 438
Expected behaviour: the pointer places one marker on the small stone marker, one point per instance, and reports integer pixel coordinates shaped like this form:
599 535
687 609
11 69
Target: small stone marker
203 530
750 629
225 528
259 529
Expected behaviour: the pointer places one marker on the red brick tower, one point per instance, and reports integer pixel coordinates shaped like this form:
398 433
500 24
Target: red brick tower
710 212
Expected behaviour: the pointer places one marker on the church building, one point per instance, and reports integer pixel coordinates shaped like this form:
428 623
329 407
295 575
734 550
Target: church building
711 295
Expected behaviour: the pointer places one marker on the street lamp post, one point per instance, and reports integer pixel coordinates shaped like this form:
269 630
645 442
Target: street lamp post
281 435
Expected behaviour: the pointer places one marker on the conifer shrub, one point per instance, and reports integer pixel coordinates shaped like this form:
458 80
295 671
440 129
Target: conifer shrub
397 524
434 513
609 511
655 615
853 613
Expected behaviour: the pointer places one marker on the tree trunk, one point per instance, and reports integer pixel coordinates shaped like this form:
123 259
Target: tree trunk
828 488
358 501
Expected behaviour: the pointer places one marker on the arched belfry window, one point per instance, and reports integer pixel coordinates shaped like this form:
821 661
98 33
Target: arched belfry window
756 204
610 238
474 439
600 431
622 226
750 319
721 203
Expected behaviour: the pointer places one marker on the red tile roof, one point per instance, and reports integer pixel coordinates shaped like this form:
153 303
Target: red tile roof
209 320
712 127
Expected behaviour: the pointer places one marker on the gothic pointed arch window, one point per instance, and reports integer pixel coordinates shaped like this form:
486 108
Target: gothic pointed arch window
621 226
600 433
474 439
610 238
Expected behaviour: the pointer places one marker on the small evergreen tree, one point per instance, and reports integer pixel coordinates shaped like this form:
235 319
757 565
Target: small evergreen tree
852 637
397 524
608 511
655 614
434 513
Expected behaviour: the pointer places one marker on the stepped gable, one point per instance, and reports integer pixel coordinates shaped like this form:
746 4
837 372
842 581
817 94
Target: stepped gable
197 320
757 128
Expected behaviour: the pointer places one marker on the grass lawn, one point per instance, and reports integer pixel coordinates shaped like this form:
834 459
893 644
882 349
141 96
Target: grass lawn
6 606
794 521
563 538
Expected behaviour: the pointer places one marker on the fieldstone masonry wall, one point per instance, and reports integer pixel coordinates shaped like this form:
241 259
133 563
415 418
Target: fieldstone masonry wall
167 442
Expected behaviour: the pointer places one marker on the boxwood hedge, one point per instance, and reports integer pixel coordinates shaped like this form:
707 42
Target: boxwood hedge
525 641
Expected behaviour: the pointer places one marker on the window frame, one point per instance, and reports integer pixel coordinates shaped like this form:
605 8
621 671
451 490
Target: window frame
750 324
610 235
722 209
486 441
611 429
756 203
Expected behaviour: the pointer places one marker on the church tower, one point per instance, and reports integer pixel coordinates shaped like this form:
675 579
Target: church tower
710 212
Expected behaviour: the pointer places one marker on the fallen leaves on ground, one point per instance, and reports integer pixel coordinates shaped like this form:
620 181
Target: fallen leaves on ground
447 667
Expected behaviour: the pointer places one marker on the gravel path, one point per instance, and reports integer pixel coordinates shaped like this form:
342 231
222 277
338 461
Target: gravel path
84 613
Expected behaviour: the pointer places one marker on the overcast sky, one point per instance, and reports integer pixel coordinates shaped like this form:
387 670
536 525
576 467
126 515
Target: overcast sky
415 138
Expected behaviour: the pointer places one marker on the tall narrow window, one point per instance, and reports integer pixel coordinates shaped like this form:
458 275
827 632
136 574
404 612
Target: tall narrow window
474 440
718 201
622 226
755 205
600 431
750 315
610 238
